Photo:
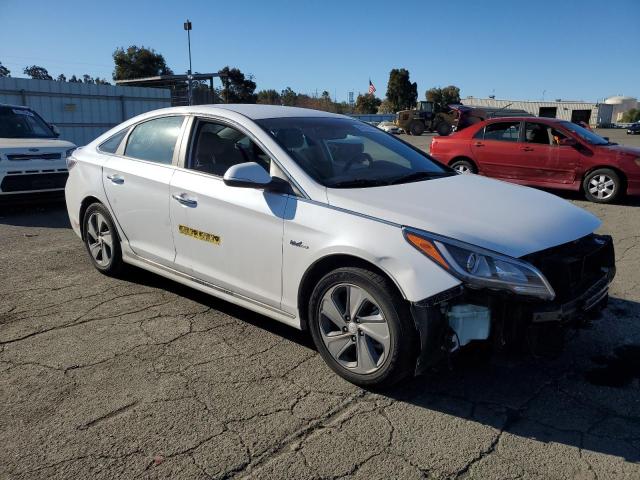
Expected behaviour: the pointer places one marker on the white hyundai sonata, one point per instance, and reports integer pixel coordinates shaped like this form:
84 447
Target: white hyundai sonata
390 259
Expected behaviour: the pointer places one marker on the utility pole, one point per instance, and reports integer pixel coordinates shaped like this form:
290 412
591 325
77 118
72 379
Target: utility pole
187 27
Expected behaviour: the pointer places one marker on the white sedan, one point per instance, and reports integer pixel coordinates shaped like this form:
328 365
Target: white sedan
390 259
390 127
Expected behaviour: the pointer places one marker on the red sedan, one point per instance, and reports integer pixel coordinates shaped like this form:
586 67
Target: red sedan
543 152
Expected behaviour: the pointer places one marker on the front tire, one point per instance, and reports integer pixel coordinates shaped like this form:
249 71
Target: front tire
602 185
417 128
101 240
362 327
444 129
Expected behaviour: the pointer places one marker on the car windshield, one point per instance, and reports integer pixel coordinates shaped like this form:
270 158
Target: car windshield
22 123
344 153
587 135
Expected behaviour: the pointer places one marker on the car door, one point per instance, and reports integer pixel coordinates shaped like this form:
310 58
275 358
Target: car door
136 181
496 147
230 237
547 160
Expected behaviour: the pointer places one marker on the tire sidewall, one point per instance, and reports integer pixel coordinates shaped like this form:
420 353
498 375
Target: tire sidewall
396 364
115 265
467 163
611 174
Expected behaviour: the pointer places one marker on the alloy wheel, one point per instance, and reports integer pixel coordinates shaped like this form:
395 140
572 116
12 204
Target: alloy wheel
462 168
354 329
601 186
99 239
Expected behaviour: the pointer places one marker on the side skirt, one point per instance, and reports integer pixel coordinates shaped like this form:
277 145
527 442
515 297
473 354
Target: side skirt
211 289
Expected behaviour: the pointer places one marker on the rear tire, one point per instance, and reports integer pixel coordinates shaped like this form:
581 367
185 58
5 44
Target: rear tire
362 327
602 185
101 240
463 166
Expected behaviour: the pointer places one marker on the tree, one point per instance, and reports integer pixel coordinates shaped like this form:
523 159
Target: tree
61 78
74 79
386 107
87 79
443 97
38 73
631 116
367 104
4 71
235 87
269 97
139 62
401 93
289 97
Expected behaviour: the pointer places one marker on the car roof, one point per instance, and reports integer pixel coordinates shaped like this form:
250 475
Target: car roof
253 111
8 105
526 119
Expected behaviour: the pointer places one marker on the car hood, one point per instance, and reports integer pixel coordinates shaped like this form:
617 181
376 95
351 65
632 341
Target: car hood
26 143
622 149
499 216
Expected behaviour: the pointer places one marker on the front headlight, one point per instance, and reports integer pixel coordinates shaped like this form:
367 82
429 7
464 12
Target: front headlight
480 268
68 153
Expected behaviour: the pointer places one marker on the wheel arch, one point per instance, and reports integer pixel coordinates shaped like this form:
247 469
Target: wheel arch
84 205
465 158
621 174
324 265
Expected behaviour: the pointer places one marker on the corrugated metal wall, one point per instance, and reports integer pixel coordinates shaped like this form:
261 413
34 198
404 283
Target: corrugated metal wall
82 112
600 113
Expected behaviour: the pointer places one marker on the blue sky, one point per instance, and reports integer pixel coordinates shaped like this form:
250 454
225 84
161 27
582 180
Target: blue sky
580 49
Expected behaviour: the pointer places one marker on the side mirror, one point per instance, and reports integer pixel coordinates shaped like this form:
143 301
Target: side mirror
55 129
247 175
568 142
606 138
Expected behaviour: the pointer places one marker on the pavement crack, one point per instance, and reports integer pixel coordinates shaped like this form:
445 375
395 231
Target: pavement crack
109 415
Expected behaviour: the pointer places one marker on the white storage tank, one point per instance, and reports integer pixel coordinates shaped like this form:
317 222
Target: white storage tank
620 105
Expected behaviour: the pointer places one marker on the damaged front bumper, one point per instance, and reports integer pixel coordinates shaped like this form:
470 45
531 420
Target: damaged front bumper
581 271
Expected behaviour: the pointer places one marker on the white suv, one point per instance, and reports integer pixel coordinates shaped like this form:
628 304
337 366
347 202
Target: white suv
32 159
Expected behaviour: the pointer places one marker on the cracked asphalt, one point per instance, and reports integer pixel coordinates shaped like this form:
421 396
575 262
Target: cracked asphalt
143 378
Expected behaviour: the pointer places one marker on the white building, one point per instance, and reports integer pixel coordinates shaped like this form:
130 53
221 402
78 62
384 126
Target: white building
595 114
620 104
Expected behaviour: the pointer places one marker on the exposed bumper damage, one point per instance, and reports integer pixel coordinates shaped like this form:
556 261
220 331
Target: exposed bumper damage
580 273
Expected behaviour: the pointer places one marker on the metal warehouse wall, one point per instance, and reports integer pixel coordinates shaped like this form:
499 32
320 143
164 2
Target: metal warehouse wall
82 112
600 113
386 117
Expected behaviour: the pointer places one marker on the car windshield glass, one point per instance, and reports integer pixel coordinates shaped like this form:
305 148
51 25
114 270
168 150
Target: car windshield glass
22 123
344 153
587 135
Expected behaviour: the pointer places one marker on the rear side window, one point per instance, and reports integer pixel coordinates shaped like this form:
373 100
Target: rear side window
502 131
154 140
111 145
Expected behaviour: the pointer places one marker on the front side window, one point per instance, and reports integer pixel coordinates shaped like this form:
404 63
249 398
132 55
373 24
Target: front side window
216 147
154 140
537 133
502 131
344 153
23 123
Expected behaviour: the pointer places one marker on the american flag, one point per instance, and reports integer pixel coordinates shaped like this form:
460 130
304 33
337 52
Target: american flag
372 89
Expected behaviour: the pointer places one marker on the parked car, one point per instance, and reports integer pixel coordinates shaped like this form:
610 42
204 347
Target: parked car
390 259
32 158
543 152
390 127
634 129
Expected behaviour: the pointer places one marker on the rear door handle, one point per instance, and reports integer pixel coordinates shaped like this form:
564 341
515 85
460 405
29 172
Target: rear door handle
478 144
117 179
527 149
185 200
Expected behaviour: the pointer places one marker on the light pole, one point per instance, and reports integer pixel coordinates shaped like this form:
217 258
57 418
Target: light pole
187 27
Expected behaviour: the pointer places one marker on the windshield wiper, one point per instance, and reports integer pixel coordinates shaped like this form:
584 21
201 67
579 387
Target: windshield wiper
359 182
416 176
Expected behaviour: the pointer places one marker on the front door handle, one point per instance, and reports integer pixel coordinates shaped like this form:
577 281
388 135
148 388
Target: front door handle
527 149
185 200
478 144
117 179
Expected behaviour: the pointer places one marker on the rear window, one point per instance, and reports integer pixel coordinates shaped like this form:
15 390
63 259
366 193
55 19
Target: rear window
18 122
